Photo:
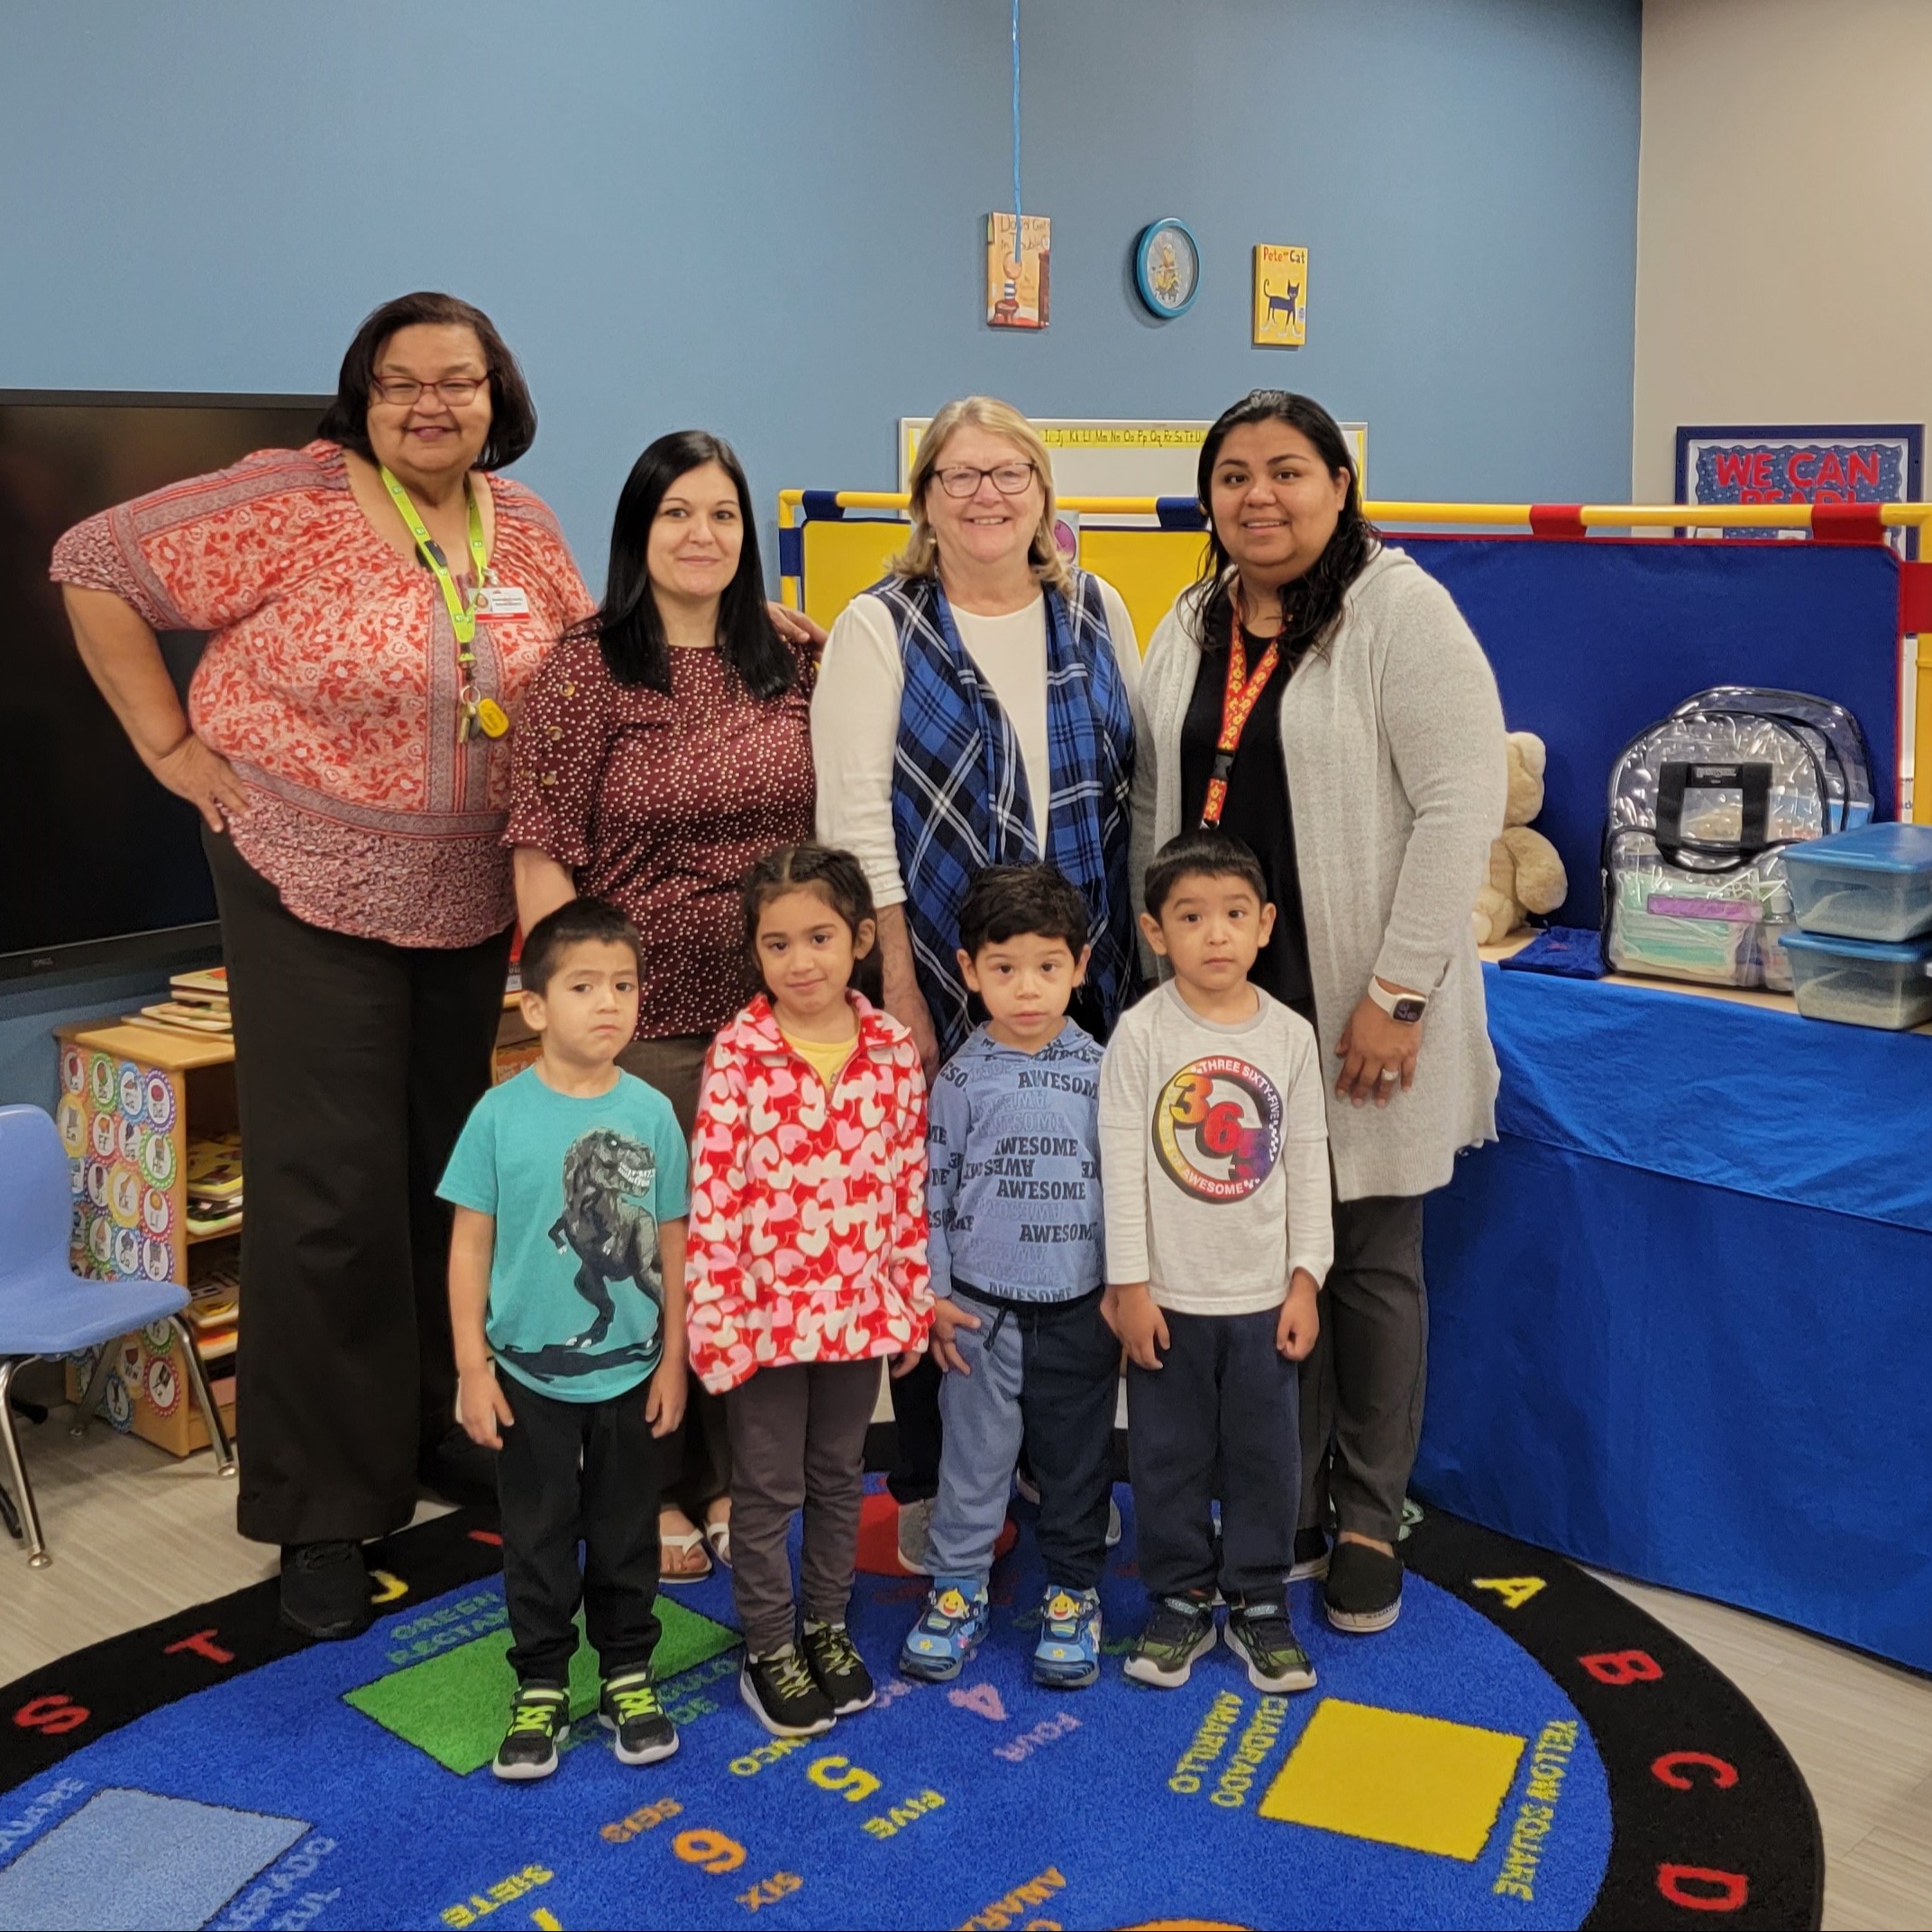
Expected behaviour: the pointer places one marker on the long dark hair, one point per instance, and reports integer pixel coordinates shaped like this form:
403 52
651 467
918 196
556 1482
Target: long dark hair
627 626
512 414
1314 607
838 879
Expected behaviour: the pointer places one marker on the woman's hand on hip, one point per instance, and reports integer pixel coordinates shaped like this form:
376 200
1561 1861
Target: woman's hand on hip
204 779
1377 1055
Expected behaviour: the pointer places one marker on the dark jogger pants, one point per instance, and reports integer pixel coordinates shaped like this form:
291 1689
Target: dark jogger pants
1219 1414
571 1472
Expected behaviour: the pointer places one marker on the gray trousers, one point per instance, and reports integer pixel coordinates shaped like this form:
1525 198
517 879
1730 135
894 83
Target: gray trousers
798 1440
1052 1374
1361 1387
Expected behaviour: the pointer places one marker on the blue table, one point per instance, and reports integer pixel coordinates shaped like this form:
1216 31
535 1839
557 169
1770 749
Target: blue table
1681 1316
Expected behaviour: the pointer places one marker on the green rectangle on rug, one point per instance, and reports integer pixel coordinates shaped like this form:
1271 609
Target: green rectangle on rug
454 1707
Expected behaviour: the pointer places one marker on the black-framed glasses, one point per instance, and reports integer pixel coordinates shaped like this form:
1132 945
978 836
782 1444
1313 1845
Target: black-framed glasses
404 390
962 480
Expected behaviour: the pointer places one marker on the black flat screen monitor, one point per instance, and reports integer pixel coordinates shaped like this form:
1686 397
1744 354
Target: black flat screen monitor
99 865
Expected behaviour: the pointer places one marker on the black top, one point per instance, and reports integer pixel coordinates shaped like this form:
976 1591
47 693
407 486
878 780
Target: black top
1256 811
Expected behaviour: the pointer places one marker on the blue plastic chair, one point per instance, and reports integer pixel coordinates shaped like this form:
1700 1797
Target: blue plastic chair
47 1310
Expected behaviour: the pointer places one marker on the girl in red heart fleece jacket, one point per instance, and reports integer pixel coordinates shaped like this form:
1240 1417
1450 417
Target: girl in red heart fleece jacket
805 1266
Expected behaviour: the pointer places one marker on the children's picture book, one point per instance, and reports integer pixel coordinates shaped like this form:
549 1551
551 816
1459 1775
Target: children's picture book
1280 297
1018 279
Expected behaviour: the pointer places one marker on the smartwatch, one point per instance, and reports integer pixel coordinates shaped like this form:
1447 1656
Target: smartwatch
1407 1007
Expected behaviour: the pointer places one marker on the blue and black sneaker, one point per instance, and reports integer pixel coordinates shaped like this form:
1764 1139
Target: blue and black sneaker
951 1629
1067 1655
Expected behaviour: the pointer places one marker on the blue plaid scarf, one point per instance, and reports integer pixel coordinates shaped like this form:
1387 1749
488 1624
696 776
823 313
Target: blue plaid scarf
959 787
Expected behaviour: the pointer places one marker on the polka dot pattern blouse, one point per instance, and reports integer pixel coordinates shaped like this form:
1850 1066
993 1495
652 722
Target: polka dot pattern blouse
658 803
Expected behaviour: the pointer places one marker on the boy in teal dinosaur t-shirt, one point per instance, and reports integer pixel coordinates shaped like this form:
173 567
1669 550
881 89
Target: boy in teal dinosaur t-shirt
567 1302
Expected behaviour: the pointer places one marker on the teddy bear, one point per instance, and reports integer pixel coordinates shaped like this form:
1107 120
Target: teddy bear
1525 870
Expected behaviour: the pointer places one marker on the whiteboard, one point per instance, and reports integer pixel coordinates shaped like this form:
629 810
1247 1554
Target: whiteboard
1125 456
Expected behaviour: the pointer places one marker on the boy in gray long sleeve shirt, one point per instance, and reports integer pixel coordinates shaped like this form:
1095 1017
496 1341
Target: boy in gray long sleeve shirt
1213 1143
1016 1247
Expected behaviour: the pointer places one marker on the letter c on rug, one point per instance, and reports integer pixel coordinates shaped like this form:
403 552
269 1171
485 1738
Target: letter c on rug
1665 1770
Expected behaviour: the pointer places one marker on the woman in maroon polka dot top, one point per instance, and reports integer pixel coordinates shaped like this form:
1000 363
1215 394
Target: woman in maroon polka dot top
663 749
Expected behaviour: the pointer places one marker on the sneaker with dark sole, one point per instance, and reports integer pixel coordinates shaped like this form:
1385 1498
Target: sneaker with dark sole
1262 1637
539 1715
1181 1629
1067 1655
837 1668
1363 1591
324 1590
1311 1555
949 1629
784 1695
630 1707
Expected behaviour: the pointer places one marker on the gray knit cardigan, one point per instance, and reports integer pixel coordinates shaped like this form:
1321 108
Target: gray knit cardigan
1393 736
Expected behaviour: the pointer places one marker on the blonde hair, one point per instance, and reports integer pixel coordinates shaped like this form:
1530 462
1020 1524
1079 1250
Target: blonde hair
920 556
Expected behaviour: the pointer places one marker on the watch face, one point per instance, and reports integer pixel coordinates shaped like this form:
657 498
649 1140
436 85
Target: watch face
1410 1011
1167 267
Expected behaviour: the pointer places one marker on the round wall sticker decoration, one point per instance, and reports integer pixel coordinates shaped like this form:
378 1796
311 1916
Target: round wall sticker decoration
1167 267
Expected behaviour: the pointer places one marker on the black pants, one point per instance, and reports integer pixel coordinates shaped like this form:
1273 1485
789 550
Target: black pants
1221 1412
356 1065
914 1477
1362 1383
571 1472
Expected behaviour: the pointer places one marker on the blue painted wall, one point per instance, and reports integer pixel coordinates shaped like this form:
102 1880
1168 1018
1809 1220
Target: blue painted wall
766 217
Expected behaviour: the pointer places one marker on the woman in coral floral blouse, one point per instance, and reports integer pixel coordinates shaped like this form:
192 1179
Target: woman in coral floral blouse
348 741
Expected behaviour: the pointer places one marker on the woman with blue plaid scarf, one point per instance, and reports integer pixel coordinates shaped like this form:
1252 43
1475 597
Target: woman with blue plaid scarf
976 708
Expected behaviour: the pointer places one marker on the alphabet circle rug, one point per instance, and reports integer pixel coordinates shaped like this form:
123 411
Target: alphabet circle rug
1524 1748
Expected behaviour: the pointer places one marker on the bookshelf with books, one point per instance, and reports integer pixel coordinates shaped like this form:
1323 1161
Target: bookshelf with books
147 1116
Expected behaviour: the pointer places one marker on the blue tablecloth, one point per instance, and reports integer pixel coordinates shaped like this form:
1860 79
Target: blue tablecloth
1681 1316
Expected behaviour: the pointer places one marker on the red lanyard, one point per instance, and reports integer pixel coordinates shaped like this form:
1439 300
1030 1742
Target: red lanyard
1238 700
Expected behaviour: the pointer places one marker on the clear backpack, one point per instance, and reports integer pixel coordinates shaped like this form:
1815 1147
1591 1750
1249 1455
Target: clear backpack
1702 806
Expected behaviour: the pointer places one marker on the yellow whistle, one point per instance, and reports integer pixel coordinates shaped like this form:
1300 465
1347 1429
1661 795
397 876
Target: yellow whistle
492 719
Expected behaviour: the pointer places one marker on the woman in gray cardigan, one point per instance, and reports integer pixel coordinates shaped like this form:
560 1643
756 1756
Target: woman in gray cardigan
1367 774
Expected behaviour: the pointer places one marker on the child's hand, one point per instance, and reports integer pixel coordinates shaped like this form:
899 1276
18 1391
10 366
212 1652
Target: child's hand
664 1408
1130 1313
903 1365
1299 1323
481 1408
946 1316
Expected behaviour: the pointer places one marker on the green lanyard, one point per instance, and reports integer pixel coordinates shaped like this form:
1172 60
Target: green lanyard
463 617
473 713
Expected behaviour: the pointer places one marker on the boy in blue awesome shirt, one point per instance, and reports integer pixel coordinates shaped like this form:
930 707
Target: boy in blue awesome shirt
567 1301
1016 1246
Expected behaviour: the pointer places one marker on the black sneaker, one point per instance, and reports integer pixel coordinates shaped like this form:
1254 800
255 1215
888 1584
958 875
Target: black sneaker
1181 1629
1364 1588
1311 1555
837 1668
784 1695
630 1707
539 1715
325 1589
1262 1637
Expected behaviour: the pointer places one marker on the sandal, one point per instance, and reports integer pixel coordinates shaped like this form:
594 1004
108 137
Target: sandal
717 1534
689 1544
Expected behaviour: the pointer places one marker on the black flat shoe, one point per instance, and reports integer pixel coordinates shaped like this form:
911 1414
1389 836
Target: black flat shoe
325 1589
459 1471
1363 1590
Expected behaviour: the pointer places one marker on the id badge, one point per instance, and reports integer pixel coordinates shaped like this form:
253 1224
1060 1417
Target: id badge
502 601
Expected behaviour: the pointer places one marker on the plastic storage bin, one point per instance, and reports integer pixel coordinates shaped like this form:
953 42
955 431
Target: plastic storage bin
1862 982
1872 884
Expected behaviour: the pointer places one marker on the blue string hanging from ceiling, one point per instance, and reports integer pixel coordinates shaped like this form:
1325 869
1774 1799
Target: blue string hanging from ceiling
1016 126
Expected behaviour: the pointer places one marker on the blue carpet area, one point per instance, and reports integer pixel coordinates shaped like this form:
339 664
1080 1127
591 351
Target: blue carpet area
1438 1775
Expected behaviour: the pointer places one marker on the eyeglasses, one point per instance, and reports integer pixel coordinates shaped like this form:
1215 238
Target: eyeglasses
403 390
962 480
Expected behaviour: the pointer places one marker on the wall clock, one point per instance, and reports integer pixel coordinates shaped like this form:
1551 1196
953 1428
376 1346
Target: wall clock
1167 267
